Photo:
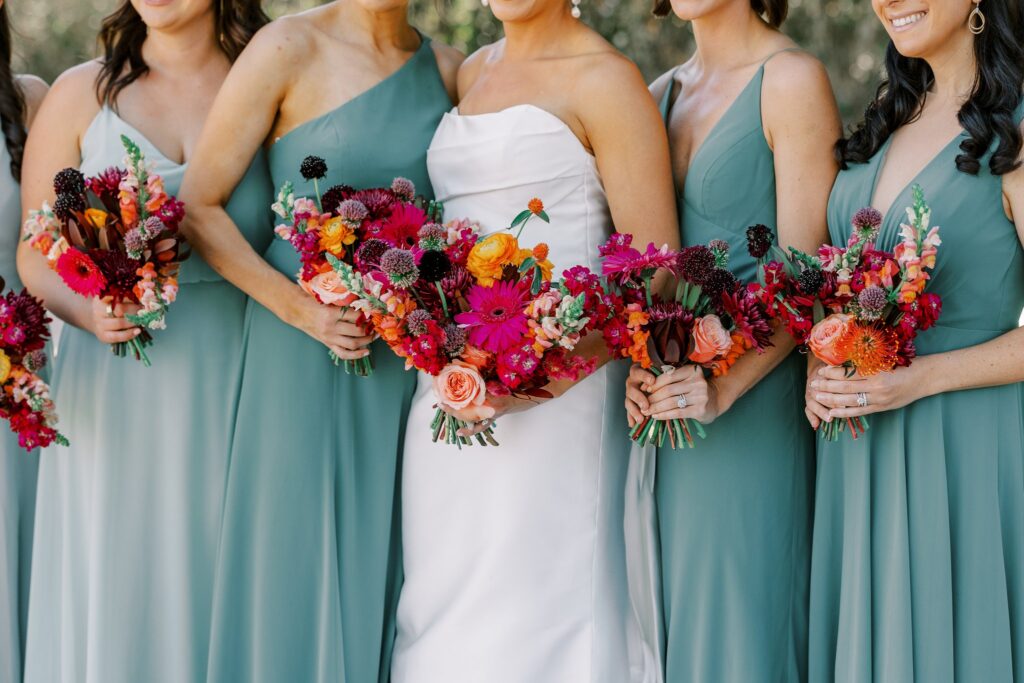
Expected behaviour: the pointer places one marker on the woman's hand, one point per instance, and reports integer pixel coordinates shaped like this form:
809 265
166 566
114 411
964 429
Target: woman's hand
109 324
815 411
856 396
337 328
481 418
638 382
678 393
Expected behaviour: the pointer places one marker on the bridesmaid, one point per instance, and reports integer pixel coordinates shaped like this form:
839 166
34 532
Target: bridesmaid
128 517
19 100
918 569
751 122
309 566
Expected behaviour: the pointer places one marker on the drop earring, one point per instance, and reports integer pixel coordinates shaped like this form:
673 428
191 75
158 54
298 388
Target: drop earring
576 9
485 3
976 22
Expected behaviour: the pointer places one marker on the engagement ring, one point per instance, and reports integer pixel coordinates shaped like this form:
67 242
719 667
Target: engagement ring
862 400
681 402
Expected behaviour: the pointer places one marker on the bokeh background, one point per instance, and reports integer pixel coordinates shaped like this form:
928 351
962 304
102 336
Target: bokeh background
56 34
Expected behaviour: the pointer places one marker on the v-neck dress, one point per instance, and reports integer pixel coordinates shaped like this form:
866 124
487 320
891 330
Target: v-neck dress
128 517
918 569
18 469
734 512
310 562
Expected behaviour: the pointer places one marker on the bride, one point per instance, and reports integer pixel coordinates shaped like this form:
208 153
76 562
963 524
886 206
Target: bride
514 558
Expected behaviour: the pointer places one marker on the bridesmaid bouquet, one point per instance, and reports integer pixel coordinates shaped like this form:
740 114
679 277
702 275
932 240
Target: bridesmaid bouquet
480 314
710 320
349 226
869 304
115 237
24 397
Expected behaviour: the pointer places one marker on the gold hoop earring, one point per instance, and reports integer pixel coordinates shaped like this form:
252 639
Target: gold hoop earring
976 21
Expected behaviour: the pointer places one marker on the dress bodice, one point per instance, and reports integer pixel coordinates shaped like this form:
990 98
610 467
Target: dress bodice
10 219
249 206
979 269
487 167
730 183
368 141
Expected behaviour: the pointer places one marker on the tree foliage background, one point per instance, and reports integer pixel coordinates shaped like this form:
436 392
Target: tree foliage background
53 35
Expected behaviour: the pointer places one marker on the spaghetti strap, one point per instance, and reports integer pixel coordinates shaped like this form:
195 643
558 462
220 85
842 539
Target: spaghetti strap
666 98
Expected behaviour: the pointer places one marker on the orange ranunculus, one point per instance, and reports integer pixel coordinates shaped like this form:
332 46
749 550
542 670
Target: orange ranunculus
721 367
489 256
460 386
389 327
540 252
710 339
824 337
335 235
328 289
97 218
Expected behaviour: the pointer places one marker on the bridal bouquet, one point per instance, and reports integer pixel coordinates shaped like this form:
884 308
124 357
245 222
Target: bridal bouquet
478 313
869 304
710 320
349 226
24 397
114 237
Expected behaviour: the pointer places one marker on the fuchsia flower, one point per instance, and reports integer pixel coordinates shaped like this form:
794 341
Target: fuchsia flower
80 273
630 264
497 317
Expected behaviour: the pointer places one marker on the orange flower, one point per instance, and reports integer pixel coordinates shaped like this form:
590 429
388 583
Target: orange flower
536 206
389 327
460 386
540 252
710 339
871 349
97 218
740 346
489 256
335 235
825 337
546 267
638 349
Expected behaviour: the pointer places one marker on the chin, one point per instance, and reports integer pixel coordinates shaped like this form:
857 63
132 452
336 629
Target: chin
161 14
381 6
518 10
691 10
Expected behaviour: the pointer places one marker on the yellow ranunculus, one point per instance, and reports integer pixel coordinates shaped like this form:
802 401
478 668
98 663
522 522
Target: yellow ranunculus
335 236
97 218
488 257
5 367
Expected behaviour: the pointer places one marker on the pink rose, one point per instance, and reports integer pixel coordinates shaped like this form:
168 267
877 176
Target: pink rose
328 289
824 336
459 386
710 339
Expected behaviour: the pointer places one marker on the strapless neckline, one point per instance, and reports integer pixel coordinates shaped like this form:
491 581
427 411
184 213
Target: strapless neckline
525 106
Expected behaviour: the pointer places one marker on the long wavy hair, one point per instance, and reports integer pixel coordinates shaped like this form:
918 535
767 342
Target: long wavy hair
987 116
12 101
773 11
123 32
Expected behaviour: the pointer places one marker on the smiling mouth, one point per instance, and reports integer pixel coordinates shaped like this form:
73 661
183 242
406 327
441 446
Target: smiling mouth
909 20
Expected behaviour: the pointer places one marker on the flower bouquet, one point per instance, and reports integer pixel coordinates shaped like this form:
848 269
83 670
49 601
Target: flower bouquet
115 237
869 304
24 397
710 320
340 224
478 313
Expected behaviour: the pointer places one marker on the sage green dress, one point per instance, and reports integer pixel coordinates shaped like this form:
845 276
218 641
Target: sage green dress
735 511
18 468
918 569
128 517
309 569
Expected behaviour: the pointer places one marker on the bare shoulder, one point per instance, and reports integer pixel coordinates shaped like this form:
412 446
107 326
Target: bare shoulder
471 66
607 76
33 89
286 41
449 60
73 97
796 78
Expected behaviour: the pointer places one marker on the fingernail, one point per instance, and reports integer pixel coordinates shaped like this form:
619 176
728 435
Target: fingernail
819 397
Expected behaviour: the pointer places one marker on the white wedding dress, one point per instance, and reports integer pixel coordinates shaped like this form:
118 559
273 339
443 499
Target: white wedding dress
514 555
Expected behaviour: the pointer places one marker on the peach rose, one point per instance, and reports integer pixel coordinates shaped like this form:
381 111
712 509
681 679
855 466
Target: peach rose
328 289
710 339
824 336
489 256
459 386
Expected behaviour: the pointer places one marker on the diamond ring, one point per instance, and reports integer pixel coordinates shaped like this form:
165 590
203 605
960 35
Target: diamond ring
681 402
862 400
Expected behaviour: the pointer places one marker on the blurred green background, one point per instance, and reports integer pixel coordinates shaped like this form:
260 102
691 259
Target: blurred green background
55 34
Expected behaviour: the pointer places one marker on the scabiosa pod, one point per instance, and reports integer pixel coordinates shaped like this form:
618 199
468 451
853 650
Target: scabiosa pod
760 239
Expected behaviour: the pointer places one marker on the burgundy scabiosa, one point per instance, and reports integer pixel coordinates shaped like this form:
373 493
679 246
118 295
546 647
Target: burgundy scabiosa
497 318
695 264
759 240
719 281
435 266
399 265
334 196
369 253
810 281
313 168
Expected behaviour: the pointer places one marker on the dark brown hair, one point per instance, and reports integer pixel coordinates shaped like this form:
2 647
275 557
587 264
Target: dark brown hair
773 11
12 101
123 33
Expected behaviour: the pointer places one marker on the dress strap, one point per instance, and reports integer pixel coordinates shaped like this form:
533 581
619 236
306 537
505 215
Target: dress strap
666 98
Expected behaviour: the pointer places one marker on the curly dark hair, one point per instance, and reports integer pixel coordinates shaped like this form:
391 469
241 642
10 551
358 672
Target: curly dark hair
773 11
988 116
12 100
123 33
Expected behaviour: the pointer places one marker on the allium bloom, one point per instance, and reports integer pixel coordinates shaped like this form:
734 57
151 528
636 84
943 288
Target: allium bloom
313 167
872 302
759 240
497 316
416 322
454 340
870 348
866 222
80 273
403 188
433 237
351 211
400 267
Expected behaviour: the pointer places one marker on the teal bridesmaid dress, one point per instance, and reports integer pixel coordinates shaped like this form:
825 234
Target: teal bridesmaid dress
309 569
918 565
734 512
17 468
128 518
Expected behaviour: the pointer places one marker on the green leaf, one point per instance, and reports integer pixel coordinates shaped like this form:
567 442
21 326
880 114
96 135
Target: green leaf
521 218
538 281
544 216
528 262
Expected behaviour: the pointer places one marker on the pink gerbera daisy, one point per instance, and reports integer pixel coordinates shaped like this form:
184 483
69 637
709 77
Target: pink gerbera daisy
497 319
401 228
80 273
628 264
